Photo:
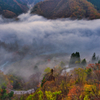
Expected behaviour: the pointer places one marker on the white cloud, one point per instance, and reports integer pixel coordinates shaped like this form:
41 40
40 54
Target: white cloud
61 35
48 36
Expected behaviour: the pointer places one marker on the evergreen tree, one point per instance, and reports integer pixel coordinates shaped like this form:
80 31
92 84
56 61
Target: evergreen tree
99 62
83 62
94 57
75 57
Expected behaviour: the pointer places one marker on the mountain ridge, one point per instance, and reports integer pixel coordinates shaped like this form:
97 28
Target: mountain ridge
12 8
52 9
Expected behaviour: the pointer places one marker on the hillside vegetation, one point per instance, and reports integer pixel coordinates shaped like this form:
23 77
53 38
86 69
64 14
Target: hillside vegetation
96 3
12 8
66 8
81 83
78 84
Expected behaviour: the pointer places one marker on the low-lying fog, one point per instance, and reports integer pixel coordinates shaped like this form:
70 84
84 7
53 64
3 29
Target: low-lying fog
41 37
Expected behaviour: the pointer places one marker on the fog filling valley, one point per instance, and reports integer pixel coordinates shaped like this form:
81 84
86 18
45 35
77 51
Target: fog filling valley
32 40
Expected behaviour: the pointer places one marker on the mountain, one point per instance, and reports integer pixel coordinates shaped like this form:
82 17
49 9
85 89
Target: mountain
31 1
66 8
12 8
96 3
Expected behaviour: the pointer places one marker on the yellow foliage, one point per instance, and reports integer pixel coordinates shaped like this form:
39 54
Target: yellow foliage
47 70
77 62
99 92
89 89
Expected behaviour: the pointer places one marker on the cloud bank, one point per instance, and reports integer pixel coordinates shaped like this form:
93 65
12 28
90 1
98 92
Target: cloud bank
44 37
52 36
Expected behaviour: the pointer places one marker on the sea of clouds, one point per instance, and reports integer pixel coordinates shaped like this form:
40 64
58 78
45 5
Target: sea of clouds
47 36
52 36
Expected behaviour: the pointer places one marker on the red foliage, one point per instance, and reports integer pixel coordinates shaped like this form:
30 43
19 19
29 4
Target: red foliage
75 92
96 70
90 66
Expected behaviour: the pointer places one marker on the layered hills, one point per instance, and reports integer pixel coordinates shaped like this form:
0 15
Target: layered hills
12 8
66 8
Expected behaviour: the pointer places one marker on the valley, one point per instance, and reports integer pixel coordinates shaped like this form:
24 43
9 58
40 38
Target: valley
49 50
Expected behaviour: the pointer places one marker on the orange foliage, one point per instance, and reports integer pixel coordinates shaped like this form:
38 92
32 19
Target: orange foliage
75 92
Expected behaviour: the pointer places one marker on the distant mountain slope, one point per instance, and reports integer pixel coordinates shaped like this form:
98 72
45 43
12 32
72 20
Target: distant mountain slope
12 8
96 3
66 8
31 1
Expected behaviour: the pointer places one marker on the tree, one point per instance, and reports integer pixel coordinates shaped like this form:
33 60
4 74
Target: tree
94 57
99 62
74 57
4 95
47 70
83 62
43 81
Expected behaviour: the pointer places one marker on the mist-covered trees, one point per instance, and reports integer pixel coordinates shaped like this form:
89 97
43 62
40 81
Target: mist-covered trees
75 58
94 57
16 81
83 62
99 62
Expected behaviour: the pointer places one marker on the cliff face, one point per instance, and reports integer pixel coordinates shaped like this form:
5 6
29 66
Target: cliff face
12 8
66 8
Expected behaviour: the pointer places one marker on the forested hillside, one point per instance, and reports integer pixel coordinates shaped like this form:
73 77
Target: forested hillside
58 83
12 8
66 8
96 3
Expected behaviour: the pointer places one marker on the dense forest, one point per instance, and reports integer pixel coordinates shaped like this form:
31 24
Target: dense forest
80 83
